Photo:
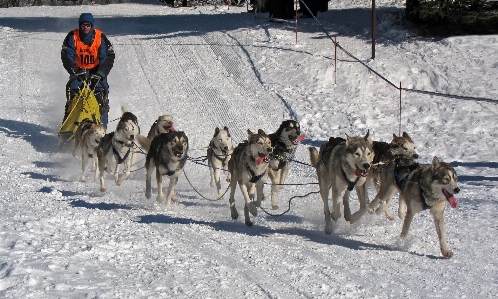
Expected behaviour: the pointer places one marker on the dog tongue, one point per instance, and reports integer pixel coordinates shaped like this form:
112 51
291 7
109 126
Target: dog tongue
301 137
452 201
359 172
450 198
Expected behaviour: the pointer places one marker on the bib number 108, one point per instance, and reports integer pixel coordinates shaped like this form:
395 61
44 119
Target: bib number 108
87 59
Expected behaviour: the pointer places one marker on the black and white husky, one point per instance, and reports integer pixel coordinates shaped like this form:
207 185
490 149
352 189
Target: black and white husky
284 142
167 155
115 149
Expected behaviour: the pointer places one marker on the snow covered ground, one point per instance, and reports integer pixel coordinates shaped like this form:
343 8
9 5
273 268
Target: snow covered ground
212 66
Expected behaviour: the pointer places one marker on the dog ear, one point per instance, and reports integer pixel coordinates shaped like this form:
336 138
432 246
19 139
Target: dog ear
435 163
347 139
226 129
368 138
407 136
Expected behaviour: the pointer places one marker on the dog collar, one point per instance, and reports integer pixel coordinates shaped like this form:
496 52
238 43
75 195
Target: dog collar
351 185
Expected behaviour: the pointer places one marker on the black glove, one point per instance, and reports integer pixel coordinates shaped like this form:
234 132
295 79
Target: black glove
81 74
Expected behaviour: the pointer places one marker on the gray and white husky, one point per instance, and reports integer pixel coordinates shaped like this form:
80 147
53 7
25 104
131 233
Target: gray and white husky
284 142
87 138
429 187
249 168
389 157
167 155
343 166
116 149
219 153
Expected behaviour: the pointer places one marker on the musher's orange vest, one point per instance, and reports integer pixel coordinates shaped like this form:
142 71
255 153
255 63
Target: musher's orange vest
87 57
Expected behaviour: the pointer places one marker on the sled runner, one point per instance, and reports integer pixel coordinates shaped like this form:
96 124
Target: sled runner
84 105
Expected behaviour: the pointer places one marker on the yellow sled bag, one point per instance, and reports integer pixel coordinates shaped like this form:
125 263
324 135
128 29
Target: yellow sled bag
83 106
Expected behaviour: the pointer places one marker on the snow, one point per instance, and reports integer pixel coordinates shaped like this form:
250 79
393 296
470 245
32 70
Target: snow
213 66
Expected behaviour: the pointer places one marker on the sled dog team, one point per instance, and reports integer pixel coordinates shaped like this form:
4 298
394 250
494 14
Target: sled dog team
342 165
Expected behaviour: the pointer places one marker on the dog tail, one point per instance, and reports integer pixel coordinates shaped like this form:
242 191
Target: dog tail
313 156
144 142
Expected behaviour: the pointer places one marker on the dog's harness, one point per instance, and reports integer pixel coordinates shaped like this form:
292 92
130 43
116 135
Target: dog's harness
120 160
172 172
425 206
223 158
351 185
254 178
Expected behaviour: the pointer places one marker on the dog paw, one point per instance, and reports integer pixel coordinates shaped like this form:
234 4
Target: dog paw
389 215
328 229
234 214
447 253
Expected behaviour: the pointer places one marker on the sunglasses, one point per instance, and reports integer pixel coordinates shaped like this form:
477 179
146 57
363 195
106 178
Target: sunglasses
83 25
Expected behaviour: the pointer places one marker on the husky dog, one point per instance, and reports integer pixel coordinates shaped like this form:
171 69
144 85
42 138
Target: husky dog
86 139
248 167
163 124
398 154
167 155
284 142
429 187
219 153
116 148
343 166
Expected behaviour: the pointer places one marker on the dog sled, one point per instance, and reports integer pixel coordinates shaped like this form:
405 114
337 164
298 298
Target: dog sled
83 105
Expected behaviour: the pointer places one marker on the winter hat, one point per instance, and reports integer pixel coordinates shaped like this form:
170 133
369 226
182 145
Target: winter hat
86 17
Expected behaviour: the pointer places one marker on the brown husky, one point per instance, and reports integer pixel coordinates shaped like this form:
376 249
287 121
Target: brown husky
343 166
248 167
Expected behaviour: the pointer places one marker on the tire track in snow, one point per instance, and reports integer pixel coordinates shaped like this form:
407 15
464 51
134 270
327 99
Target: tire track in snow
213 82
